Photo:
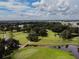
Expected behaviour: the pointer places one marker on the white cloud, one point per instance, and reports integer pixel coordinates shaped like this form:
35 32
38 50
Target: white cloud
46 9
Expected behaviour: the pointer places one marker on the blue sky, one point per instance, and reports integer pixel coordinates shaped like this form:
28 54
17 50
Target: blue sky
39 9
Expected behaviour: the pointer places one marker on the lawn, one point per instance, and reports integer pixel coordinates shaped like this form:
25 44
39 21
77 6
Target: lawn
17 35
22 37
50 39
41 53
56 40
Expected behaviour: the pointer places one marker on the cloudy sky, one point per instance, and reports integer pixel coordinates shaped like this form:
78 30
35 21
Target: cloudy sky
39 9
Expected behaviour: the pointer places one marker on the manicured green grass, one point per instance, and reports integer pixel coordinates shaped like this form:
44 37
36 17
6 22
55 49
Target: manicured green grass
41 53
22 37
50 39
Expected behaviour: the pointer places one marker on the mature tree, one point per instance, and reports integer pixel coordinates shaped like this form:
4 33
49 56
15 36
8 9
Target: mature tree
66 34
27 27
2 27
17 28
24 27
33 37
56 27
10 45
43 32
36 29
2 50
73 29
10 28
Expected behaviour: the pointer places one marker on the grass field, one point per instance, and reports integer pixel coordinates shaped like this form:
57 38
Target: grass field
41 53
50 39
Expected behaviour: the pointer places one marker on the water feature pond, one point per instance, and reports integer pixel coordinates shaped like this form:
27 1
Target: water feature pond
71 48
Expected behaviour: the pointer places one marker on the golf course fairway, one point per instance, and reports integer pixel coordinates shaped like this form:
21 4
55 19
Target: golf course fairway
41 53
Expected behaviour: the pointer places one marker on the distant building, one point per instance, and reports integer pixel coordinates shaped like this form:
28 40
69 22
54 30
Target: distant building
73 24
